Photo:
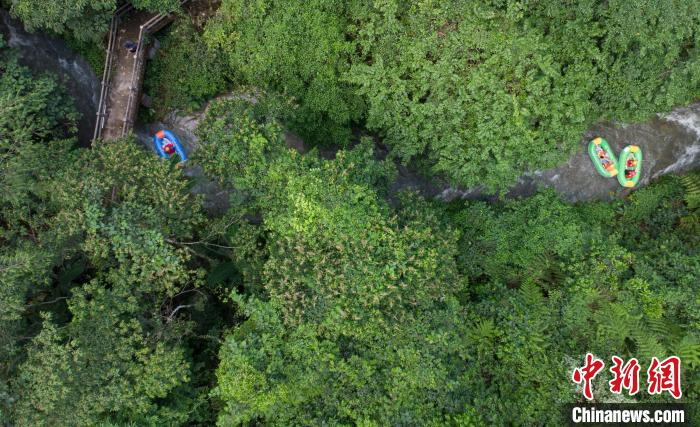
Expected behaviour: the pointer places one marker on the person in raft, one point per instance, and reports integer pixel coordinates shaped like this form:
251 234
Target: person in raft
168 147
604 159
629 170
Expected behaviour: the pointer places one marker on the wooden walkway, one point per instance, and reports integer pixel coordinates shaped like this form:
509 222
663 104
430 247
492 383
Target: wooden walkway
122 78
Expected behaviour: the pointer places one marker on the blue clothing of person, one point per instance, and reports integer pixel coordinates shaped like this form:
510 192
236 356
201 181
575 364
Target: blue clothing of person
130 46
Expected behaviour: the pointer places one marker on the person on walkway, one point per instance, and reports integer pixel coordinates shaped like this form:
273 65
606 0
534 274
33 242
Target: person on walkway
131 46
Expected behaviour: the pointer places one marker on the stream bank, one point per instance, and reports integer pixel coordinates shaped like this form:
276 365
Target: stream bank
670 142
44 53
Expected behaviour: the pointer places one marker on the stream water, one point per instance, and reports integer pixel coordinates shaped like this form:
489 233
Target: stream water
670 143
44 53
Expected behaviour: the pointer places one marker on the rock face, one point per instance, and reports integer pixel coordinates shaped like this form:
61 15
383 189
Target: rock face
42 52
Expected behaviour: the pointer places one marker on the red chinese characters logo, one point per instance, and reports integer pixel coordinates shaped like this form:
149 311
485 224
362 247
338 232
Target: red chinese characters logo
661 376
625 375
665 376
587 373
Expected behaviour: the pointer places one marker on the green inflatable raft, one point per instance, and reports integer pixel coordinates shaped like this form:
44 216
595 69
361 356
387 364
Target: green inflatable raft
603 157
630 166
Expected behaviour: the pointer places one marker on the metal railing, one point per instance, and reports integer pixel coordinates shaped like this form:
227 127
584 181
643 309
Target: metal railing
107 72
152 25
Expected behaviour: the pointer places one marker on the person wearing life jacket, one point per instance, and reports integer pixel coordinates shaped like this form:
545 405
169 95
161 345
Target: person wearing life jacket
604 159
631 163
168 147
630 173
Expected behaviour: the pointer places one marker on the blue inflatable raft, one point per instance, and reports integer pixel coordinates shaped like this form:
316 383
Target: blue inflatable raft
167 144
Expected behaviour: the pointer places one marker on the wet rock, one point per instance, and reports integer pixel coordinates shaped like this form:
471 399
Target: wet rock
153 49
146 101
293 140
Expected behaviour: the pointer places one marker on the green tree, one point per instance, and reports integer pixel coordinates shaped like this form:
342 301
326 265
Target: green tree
82 19
162 6
121 344
98 273
34 111
297 49
481 95
356 310
185 73
32 108
477 92
339 301
574 279
90 238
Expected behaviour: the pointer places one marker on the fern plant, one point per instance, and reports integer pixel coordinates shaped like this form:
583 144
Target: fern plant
691 184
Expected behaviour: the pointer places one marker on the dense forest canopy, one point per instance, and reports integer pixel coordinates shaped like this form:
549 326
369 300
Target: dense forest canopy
318 297
479 91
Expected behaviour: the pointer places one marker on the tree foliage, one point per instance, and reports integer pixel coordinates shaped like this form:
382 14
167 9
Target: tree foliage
32 108
346 291
85 19
320 297
185 73
120 345
96 280
82 19
480 91
423 314
296 49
